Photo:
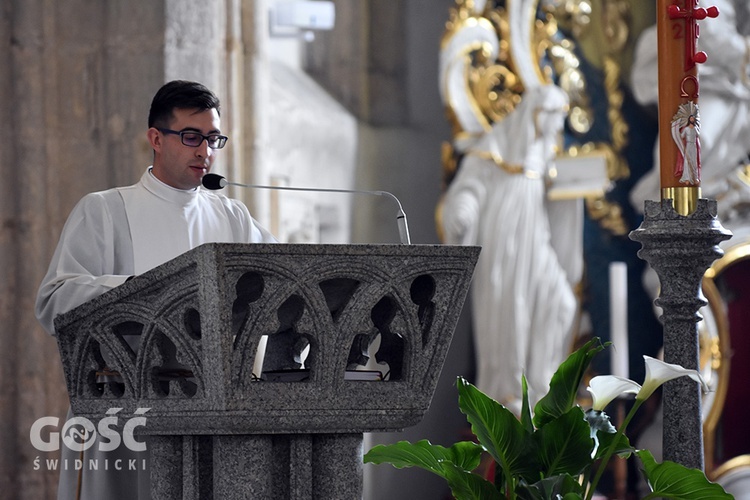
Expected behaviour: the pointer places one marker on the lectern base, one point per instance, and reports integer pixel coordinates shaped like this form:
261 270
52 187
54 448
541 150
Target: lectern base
261 467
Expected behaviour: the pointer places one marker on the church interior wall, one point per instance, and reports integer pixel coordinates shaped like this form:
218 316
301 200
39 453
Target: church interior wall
76 85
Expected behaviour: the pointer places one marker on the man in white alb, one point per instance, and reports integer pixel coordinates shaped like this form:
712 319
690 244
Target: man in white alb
115 234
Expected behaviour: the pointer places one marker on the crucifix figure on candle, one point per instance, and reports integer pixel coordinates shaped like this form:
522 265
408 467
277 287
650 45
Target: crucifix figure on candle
678 33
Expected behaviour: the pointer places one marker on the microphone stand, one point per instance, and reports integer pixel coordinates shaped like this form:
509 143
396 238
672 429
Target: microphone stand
216 181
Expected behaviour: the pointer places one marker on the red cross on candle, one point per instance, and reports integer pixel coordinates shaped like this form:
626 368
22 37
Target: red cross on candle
679 114
691 14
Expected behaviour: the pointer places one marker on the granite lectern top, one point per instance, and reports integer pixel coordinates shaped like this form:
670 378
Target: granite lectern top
183 340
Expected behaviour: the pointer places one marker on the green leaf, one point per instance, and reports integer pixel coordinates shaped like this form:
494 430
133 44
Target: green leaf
565 444
466 485
564 385
499 432
562 486
622 449
464 455
672 480
526 492
526 422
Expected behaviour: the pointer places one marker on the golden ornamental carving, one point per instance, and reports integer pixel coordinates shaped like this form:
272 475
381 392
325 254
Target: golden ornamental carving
619 128
600 30
574 16
616 24
498 91
604 48
493 85
608 215
744 174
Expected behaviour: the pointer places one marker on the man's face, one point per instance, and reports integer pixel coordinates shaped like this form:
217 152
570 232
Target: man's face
176 164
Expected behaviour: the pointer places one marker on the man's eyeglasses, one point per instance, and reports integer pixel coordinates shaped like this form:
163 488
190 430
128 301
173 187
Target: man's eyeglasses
194 139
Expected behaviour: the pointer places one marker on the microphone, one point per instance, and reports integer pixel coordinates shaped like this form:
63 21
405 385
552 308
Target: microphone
216 181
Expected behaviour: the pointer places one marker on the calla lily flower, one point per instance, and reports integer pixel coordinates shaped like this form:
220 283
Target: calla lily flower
605 388
658 372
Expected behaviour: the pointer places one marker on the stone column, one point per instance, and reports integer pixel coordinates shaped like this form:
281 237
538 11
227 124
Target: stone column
680 249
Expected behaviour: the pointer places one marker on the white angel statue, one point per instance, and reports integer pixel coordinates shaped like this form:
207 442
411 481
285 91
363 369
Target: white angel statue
523 303
523 300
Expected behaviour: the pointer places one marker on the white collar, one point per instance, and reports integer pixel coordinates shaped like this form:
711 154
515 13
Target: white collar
165 191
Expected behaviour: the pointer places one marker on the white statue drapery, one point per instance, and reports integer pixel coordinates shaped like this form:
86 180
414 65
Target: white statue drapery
522 298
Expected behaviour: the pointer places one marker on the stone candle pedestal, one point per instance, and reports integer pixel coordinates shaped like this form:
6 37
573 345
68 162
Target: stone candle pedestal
181 340
680 249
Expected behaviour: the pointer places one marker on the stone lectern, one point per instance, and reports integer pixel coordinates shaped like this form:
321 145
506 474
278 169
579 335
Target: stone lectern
353 339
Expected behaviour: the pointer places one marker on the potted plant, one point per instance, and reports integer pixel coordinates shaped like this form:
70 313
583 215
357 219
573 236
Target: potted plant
558 453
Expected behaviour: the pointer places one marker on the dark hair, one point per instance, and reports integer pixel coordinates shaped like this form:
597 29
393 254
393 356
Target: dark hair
180 94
